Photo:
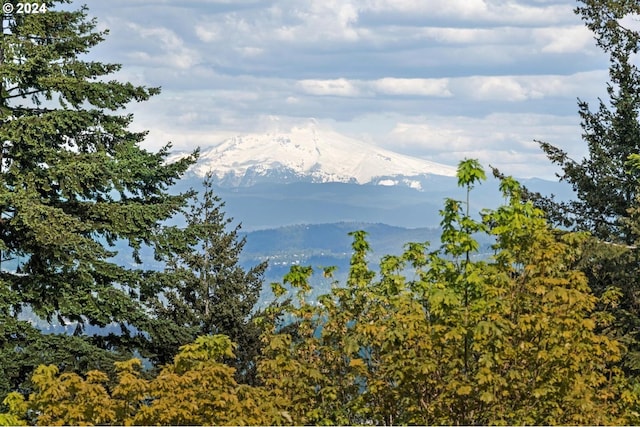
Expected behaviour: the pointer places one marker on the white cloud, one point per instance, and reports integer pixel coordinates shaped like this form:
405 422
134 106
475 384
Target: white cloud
170 49
575 38
224 64
474 36
528 87
331 19
337 87
505 88
505 12
421 87
456 8
509 162
505 140
249 51
207 33
314 21
431 137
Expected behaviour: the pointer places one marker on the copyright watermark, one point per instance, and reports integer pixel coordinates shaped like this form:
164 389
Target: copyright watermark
24 8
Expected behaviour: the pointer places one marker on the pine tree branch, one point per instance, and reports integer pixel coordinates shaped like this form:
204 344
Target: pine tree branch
33 92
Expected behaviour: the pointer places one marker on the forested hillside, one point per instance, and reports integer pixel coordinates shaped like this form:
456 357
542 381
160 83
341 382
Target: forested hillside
525 313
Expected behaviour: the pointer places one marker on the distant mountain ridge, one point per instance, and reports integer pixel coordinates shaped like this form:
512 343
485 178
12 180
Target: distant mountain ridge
309 154
310 175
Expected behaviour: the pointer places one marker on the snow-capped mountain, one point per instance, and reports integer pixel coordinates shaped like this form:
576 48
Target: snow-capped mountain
309 154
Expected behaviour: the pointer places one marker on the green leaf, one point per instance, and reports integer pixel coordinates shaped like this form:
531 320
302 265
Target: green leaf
470 172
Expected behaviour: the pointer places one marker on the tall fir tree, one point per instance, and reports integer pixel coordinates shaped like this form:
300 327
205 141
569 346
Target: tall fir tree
73 181
606 183
205 289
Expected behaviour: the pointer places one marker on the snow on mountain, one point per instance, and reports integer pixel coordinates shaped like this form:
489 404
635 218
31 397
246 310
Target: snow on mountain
310 154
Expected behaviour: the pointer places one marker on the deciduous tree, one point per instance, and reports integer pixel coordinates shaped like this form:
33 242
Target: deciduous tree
443 338
197 388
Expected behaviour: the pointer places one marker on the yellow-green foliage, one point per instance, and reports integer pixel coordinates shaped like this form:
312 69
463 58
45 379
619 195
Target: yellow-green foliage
197 389
17 409
442 339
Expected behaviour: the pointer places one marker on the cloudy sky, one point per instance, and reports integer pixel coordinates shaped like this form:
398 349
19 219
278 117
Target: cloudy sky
438 79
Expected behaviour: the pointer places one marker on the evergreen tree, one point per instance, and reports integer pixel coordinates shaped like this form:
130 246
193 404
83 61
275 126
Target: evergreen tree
206 291
605 185
73 181
605 181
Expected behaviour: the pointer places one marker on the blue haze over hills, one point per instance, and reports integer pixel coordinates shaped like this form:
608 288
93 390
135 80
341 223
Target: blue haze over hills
299 193
296 217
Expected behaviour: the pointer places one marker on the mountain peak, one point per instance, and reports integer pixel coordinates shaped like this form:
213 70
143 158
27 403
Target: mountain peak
308 153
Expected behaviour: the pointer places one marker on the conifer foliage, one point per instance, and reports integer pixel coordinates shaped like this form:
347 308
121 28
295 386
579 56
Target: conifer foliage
206 291
607 180
73 180
605 184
